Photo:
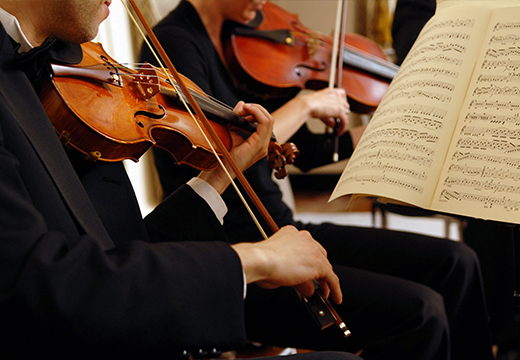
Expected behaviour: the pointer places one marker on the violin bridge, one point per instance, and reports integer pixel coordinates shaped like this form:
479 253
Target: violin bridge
312 44
147 82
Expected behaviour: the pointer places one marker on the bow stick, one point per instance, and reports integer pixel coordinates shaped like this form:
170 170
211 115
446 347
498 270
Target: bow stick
202 117
336 66
257 202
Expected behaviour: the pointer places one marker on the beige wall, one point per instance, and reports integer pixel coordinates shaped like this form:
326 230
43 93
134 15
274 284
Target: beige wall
319 15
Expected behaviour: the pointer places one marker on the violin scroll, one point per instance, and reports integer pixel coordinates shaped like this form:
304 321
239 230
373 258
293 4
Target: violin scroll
281 155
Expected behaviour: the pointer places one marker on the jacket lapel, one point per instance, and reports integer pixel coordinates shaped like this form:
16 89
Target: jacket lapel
34 122
45 141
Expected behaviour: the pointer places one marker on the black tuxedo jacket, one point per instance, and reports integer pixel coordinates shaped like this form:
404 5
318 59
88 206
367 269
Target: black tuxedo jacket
81 273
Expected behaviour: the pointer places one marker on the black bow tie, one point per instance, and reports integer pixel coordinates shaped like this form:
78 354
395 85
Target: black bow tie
34 62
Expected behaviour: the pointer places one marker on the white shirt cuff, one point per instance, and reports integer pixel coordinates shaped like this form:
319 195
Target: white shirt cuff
211 196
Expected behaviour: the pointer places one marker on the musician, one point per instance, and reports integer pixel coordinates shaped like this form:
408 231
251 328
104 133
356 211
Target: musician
81 274
405 295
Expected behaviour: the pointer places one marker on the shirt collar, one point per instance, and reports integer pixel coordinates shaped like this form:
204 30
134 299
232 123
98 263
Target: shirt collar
13 29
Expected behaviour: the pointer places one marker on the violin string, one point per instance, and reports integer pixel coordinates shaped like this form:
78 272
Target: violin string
218 104
200 127
194 89
211 104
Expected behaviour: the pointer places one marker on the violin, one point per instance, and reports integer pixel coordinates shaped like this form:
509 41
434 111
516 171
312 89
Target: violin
109 112
281 56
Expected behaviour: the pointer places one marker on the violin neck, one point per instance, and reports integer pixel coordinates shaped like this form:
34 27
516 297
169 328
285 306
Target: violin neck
351 57
369 63
213 110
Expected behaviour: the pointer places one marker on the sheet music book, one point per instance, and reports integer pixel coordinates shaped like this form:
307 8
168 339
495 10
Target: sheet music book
446 136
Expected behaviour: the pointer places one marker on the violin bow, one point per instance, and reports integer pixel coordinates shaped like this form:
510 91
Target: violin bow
202 117
336 66
254 197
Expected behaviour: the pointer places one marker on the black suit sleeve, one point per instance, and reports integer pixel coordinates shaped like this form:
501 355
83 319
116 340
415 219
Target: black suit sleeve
64 293
193 219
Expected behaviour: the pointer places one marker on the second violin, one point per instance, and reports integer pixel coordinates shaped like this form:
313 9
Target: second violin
281 56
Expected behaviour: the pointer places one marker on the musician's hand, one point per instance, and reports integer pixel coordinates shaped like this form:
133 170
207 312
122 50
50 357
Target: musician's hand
326 104
329 105
289 258
245 152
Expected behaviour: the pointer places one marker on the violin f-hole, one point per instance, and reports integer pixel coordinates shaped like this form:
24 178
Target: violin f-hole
150 115
323 67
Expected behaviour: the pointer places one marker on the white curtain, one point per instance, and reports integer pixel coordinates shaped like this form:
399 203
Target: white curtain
116 36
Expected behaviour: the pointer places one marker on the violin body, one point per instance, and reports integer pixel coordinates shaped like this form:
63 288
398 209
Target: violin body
281 56
109 122
111 113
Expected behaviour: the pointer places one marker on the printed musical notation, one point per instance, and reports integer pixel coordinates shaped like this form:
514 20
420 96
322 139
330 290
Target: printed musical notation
493 119
446 136
485 201
503 65
410 134
484 156
403 145
436 60
397 156
502 53
431 111
485 172
432 72
505 40
493 187
506 26
513 162
420 94
439 46
442 36
487 145
384 168
509 78
501 132
443 85
495 105
413 89
382 180
450 23
493 90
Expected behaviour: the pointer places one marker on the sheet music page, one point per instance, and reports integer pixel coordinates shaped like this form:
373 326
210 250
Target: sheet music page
401 153
481 177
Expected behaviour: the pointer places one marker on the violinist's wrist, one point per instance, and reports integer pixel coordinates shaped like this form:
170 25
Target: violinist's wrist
254 261
307 104
217 179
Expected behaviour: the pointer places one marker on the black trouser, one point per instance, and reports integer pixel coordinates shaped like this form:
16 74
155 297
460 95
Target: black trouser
493 244
406 296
